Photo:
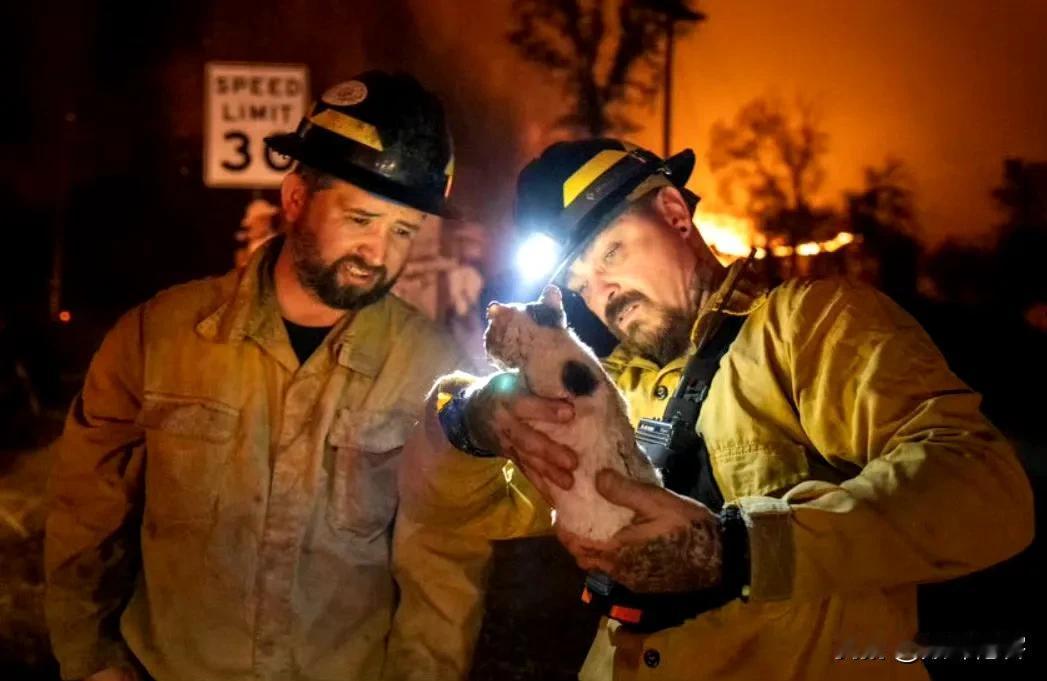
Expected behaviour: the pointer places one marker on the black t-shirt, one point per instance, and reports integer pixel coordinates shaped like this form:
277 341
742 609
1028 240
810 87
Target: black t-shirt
305 339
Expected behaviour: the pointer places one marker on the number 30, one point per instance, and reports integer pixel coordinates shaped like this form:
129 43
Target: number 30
243 148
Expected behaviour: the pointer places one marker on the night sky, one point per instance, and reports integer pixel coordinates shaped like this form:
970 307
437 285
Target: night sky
952 87
949 86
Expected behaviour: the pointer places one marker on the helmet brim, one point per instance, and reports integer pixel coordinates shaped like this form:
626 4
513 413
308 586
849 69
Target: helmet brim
292 146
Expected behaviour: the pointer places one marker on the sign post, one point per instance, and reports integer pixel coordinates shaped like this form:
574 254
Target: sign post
243 104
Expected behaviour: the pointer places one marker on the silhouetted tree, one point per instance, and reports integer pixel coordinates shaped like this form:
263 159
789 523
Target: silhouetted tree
960 272
884 215
1022 247
568 38
1023 193
767 161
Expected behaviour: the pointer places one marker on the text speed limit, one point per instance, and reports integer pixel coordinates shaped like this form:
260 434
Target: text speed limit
245 103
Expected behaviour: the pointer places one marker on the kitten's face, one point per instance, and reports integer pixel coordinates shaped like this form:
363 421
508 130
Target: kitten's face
534 339
517 332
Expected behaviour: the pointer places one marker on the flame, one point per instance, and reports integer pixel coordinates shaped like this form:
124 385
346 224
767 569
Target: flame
725 234
732 237
809 248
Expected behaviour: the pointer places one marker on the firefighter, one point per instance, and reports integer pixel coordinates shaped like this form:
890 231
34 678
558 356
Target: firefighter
833 463
226 482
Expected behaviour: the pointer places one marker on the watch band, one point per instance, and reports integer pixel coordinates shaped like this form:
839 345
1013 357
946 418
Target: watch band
452 420
736 566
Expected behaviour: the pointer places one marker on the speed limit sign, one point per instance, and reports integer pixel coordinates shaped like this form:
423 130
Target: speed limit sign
243 104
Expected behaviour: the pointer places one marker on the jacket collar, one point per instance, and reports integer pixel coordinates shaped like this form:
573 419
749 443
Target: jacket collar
740 294
359 341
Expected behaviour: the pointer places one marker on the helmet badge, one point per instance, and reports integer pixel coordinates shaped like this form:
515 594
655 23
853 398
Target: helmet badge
345 94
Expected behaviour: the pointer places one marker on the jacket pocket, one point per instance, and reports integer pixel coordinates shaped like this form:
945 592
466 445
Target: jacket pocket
365 452
189 441
745 469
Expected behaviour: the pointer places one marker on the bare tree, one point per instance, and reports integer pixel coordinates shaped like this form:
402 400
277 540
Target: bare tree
768 162
887 198
883 213
570 39
1022 244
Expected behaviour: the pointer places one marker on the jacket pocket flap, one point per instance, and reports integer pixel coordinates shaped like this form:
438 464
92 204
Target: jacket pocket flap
189 417
371 431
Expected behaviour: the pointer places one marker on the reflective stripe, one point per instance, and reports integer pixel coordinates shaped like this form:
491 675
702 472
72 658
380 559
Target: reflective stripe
624 614
587 174
347 126
449 174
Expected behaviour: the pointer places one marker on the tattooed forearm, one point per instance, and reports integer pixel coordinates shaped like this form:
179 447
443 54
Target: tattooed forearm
687 559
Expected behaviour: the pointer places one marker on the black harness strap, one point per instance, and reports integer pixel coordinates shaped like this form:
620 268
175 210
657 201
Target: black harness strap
673 444
678 451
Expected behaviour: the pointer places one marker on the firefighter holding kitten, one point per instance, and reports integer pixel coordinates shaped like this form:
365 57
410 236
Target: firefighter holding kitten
820 460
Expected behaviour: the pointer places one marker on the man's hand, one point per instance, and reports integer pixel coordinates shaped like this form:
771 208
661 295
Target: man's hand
113 674
673 543
500 417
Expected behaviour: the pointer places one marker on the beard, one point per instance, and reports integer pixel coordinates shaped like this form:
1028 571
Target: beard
665 332
323 280
661 337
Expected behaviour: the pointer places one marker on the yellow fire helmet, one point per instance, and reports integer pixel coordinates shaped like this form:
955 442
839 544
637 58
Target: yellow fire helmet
574 189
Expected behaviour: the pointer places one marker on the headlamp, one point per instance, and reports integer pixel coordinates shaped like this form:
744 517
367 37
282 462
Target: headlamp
536 256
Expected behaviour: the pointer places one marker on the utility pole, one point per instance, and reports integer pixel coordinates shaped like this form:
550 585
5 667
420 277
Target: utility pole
674 11
667 101
68 148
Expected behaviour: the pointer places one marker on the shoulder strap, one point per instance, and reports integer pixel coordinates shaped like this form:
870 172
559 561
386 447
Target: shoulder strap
688 469
702 365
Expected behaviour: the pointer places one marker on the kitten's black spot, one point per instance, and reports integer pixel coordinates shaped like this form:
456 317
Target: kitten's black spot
543 315
578 378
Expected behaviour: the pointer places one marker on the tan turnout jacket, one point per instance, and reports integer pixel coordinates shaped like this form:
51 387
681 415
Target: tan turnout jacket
223 513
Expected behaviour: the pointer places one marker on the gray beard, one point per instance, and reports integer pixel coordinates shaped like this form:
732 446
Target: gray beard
662 344
671 338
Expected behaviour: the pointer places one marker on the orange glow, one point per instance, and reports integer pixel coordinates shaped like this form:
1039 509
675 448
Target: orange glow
731 237
726 234
65 316
809 248
838 242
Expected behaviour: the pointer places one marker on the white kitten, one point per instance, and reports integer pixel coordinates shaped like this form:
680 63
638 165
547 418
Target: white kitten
534 339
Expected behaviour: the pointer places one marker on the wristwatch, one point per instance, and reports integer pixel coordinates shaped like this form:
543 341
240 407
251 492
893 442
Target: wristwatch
452 420
736 566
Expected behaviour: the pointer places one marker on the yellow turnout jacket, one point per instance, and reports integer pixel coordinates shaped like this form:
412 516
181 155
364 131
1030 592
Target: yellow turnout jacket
862 465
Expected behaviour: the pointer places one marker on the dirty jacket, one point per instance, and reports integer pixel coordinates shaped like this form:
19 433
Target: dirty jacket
861 464
222 512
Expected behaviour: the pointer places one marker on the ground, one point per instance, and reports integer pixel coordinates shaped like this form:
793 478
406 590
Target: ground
24 649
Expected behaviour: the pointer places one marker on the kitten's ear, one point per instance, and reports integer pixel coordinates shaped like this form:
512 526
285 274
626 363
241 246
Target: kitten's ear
494 309
551 297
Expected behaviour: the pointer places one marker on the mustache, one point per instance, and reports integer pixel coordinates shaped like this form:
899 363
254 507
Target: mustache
619 303
358 262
